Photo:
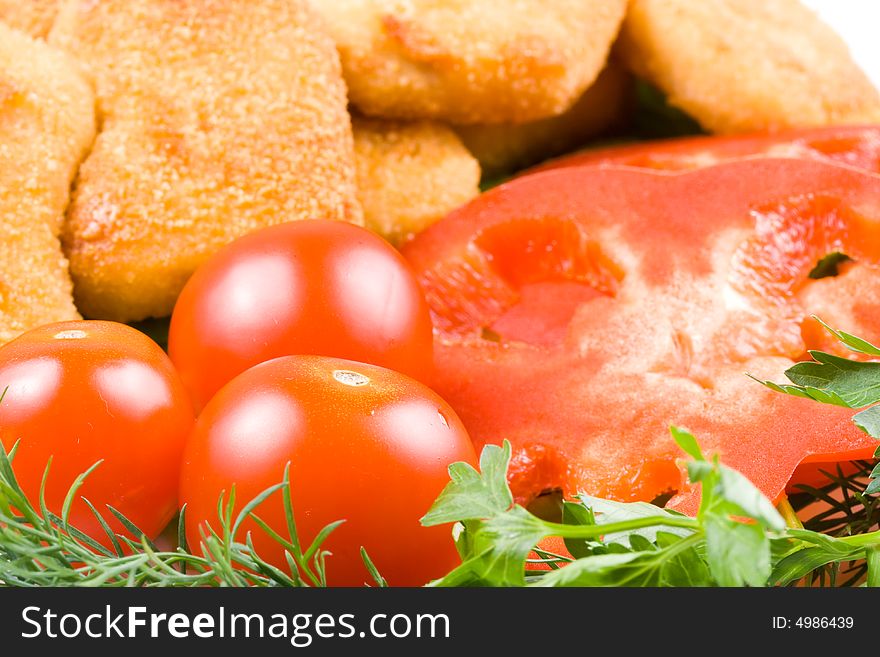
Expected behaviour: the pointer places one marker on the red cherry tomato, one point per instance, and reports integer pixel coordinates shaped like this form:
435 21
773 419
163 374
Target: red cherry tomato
309 287
365 444
81 392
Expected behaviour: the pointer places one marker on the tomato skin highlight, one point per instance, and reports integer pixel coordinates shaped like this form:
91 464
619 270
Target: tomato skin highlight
308 287
365 444
85 391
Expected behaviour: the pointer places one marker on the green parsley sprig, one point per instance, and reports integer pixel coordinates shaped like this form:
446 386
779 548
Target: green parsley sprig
840 381
737 539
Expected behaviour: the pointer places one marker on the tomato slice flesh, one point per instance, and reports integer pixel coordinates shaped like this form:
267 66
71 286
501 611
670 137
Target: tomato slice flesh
543 312
580 312
855 146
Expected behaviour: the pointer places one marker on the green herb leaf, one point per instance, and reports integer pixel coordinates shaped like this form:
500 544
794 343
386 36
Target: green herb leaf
609 511
626 569
800 564
831 545
853 342
834 380
467 574
856 383
371 568
738 553
473 495
654 567
578 514
805 392
868 421
39 548
726 492
873 558
736 490
687 442
505 541
687 567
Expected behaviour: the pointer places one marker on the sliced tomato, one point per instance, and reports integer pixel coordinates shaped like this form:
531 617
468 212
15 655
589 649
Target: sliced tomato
580 312
849 300
816 474
855 146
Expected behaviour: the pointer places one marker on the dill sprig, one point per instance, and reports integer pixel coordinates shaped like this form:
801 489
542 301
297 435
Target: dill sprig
839 507
40 548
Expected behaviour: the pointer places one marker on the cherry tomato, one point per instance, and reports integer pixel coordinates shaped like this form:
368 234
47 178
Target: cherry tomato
365 444
309 287
80 392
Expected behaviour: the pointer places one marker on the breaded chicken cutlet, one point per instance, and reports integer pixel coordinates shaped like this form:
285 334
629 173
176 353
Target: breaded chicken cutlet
747 65
47 125
34 17
470 61
410 174
503 148
219 117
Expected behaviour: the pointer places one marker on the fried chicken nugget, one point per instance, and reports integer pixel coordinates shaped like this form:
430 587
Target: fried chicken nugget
470 61
410 174
507 147
47 123
745 65
219 117
35 17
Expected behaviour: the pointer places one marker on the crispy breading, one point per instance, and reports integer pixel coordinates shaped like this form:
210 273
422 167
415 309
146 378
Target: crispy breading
470 61
35 17
47 124
745 65
410 174
219 117
507 147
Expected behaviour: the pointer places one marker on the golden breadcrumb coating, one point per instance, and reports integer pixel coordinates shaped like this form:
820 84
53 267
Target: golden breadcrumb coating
506 147
470 61
32 16
410 174
218 117
47 124
745 65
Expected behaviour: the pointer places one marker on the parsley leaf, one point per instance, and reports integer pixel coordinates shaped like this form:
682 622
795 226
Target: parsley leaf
851 341
873 557
834 380
855 383
738 553
473 495
737 539
609 511
869 421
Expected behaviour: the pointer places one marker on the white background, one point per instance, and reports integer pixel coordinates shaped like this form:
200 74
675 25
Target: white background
858 22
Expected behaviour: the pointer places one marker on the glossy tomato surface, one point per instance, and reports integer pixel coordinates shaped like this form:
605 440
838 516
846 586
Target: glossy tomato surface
365 444
80 392
309 287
